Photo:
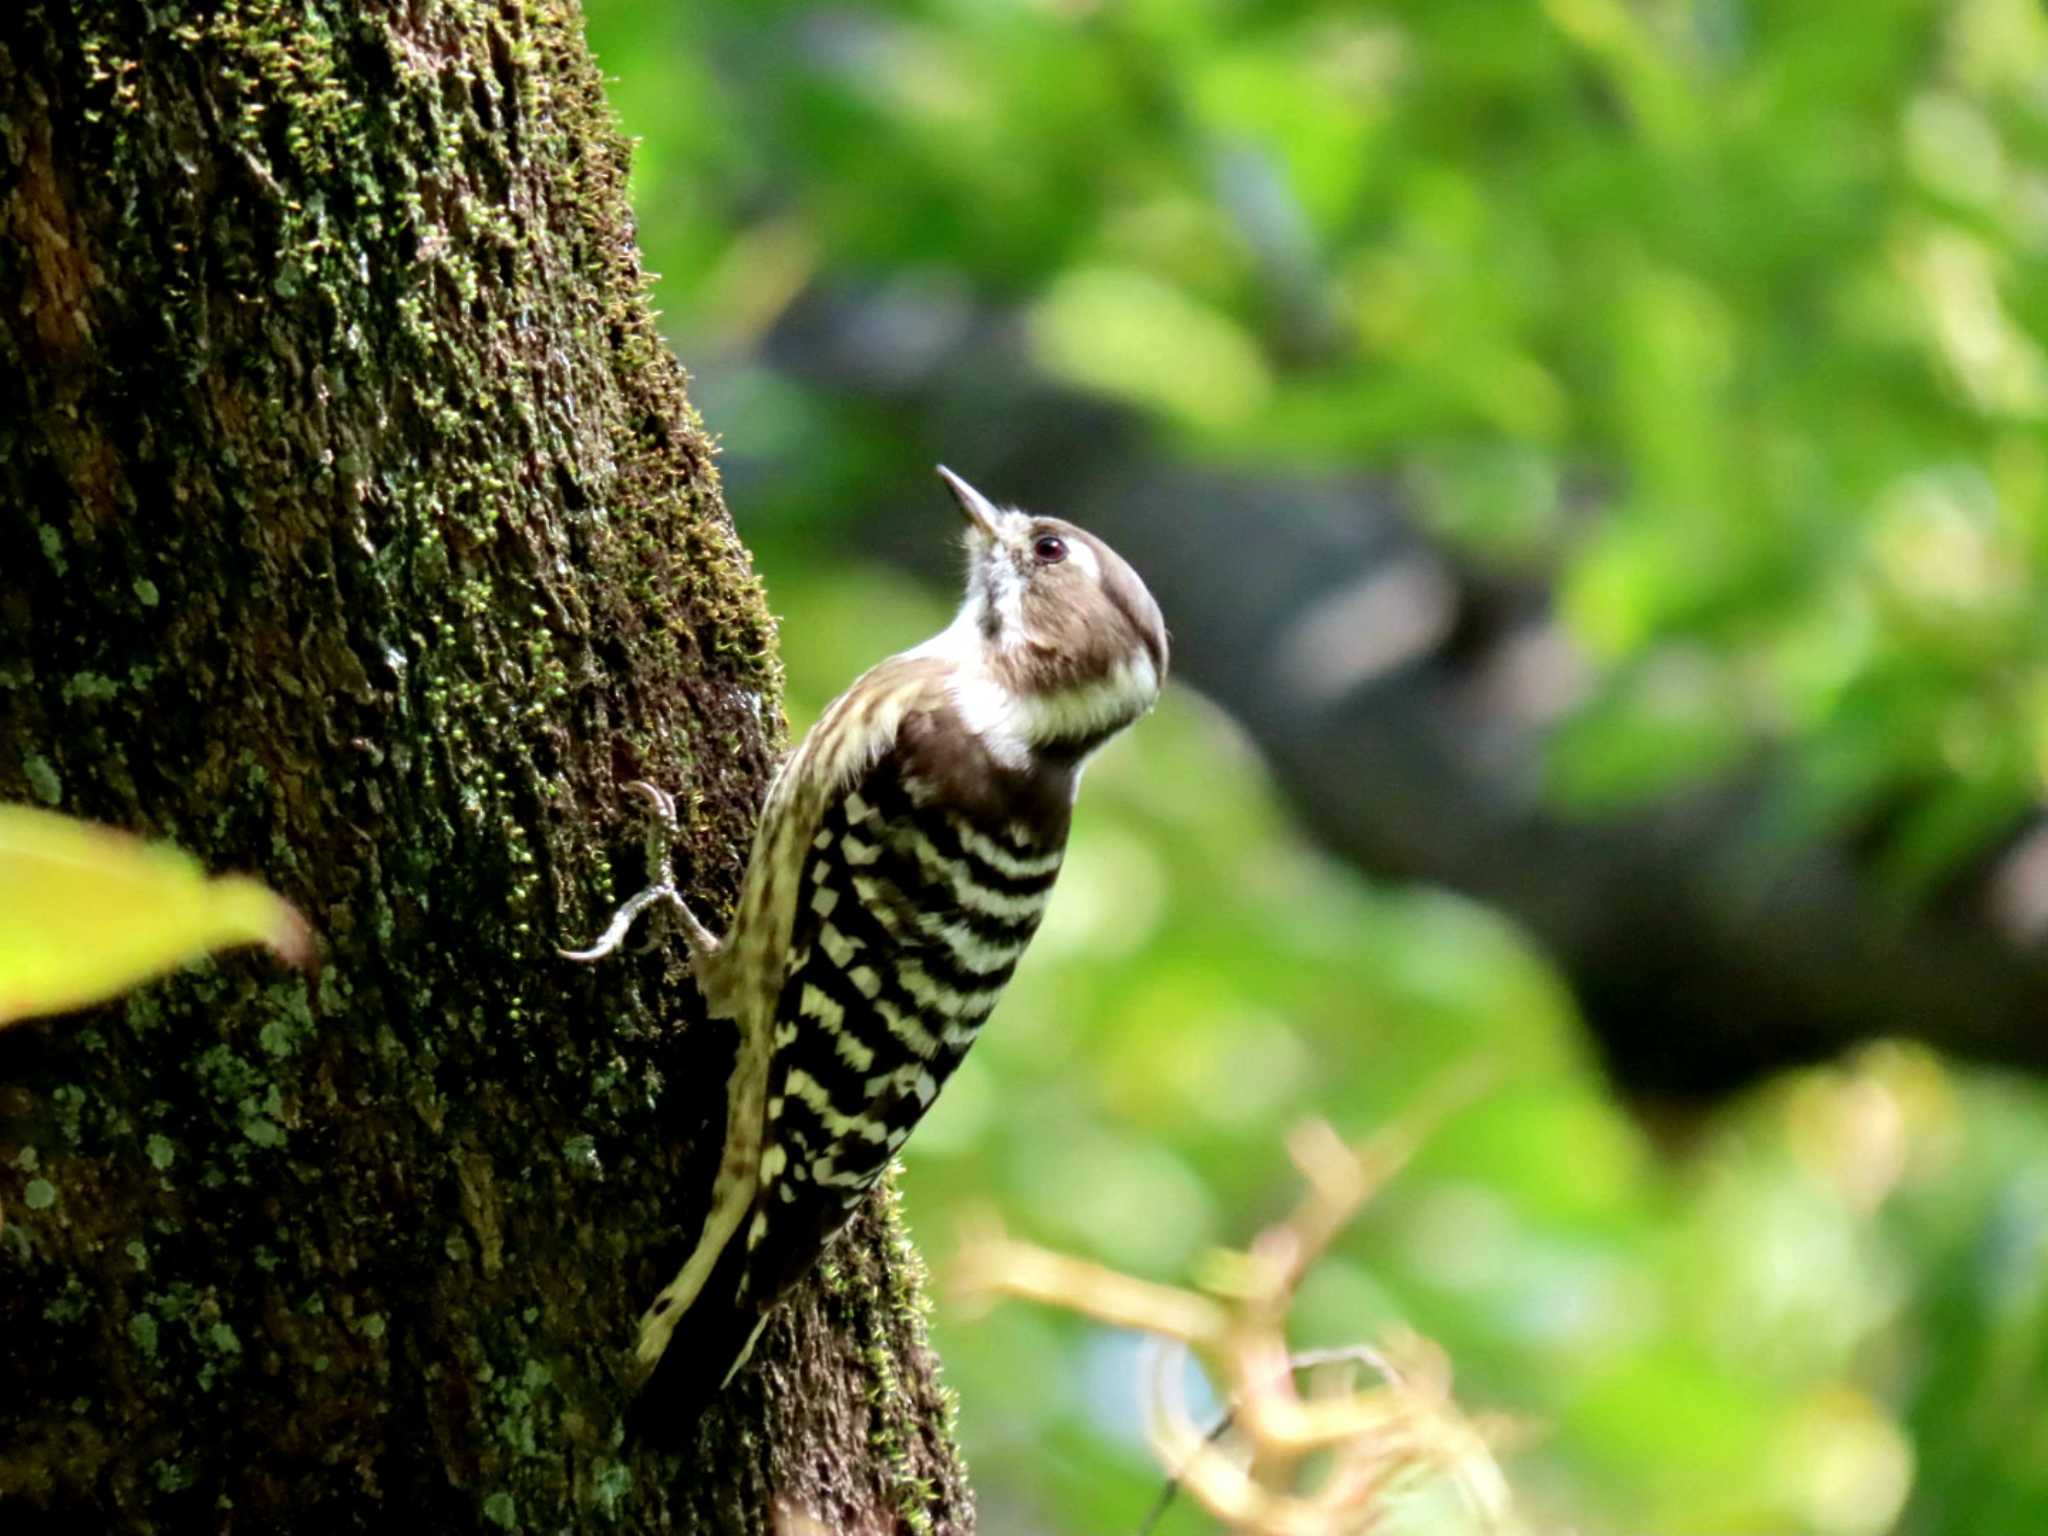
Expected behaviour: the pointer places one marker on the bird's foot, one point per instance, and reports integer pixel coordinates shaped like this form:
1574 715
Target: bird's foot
661 834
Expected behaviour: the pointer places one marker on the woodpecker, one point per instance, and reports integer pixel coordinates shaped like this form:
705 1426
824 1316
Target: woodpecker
901 865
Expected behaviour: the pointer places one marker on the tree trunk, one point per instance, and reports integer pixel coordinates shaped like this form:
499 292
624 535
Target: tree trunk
355 531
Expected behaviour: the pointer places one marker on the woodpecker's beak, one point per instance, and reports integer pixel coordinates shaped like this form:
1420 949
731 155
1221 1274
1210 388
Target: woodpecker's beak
974 506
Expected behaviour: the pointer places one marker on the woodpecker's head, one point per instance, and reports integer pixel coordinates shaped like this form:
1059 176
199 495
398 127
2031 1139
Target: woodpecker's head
1059 621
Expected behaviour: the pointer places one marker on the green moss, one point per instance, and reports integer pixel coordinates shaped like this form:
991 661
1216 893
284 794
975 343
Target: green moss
173 1476
42 778
69 1305
610 1486
39 1195
70 1102
438 490
884 1306
89 685
226 1075
292 1023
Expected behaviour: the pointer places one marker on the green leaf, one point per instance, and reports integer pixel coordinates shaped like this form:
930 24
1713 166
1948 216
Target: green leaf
87 912
1130 336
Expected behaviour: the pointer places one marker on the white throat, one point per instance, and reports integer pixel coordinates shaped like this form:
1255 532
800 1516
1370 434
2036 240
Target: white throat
1014 726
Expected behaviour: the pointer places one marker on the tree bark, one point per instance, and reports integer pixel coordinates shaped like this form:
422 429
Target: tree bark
355 531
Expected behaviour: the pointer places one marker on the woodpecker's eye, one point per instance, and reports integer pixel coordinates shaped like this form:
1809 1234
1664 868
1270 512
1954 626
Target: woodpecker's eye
1049 550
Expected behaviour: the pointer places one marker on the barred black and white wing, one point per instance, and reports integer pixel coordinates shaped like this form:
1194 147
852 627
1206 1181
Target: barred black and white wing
922 879
924 851
911 916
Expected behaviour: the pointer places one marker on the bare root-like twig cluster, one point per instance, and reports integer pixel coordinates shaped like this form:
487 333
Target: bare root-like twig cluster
1306 1450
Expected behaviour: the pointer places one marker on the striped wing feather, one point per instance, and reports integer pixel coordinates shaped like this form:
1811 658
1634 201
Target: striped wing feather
913 908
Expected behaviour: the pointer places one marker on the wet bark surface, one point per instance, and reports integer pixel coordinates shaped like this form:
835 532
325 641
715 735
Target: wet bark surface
355 531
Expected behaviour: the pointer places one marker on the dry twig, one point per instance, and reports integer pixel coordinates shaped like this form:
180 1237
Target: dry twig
1283 1462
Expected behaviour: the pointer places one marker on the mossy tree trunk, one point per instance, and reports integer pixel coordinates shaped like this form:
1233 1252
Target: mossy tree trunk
355 531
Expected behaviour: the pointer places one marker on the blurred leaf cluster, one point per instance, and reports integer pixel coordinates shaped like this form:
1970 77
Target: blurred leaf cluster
1729 314
1829 1315
1726 317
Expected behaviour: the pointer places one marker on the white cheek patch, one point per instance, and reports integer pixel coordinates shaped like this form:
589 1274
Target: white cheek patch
1141 678
1084 557
1117 700
1011 725
993 713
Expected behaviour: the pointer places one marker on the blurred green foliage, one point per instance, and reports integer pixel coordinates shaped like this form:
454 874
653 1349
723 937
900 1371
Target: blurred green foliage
1729 313
1833 1301
1727 316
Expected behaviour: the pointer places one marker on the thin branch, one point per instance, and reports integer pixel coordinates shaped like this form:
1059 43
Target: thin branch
1403 1429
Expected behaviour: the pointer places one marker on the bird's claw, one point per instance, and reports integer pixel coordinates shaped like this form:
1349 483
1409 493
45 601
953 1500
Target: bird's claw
622 923
660 836
664 803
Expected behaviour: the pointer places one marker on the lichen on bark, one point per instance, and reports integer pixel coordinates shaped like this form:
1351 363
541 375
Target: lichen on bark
355 529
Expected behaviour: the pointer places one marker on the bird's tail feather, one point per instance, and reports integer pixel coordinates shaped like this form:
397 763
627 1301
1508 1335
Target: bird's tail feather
712 1340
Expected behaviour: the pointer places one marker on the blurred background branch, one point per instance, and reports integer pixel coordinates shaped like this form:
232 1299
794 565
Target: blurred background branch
1339 1459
